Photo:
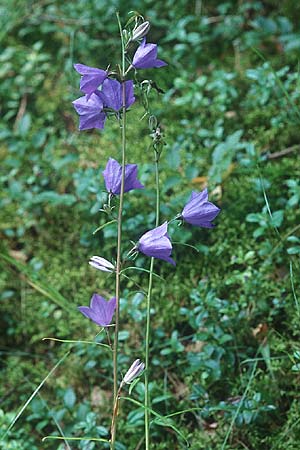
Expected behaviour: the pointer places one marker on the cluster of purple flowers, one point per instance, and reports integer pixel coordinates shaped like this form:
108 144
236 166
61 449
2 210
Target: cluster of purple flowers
104 95
94 106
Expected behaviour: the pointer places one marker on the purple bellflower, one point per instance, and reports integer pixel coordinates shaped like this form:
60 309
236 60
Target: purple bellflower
199 211
146 57
101 264
91 78
100 311
113 177
156 243
133 372
112 94
90 110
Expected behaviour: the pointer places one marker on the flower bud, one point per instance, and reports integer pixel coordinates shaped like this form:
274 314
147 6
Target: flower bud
101 264
133 372
152 123
140 31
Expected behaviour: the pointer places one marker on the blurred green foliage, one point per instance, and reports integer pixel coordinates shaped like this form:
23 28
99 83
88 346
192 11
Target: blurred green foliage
225 338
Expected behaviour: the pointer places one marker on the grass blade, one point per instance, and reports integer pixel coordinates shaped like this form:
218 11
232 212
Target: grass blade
163 421
33 280
18 415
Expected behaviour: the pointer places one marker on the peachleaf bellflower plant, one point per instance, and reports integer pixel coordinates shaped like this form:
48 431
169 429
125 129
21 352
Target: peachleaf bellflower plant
100 311
91 78
113 177
145 57
156 243
109 94
199 211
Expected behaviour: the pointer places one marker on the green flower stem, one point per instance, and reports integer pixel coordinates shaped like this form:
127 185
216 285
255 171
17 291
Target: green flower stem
147 394
119 254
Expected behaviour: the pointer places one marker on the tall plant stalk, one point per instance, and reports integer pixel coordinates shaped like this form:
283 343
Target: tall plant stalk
149 294
119 250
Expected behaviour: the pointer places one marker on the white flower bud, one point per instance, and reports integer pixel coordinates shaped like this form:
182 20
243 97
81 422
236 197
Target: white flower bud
101 264
133 372
140 31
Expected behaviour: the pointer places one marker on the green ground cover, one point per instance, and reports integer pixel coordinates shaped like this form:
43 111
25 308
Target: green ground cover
225 337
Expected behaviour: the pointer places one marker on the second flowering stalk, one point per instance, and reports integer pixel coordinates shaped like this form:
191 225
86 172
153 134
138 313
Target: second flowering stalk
119 241
148 309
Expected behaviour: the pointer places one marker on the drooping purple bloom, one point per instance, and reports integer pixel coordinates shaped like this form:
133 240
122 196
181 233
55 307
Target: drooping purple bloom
100 311
101 264
146 57
112 94
199 211
157 243
90 110
91 78
113 177
133 372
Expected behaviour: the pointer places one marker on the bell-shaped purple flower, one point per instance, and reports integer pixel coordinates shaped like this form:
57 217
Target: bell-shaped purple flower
90 110
113 177
112 94
91 78
199 211
156 243
100 311
91 107
146 57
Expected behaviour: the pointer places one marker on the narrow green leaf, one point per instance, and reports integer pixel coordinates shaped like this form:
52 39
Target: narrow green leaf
141 269
68 438
70 341
104 225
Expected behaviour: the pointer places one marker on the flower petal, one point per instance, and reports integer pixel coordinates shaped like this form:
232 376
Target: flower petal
112 176
91 78
131 181
154 234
